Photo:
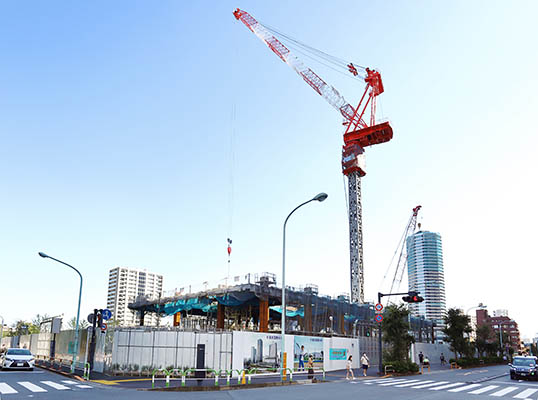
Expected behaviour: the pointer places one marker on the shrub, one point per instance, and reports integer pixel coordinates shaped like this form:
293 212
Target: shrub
402 367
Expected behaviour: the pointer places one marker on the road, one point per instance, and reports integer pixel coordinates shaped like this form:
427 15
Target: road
479 383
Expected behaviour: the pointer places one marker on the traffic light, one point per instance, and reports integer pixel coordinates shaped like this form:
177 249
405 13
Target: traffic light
368 332
100 319
413 297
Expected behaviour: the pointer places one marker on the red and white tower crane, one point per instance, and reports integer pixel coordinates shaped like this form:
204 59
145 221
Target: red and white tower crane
360 132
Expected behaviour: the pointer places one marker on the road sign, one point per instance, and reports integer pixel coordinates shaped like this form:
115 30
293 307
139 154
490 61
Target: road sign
378 307
379 317
106 314
103 327
90 318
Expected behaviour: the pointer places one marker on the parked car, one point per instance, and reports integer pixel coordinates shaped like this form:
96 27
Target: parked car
17 359
524 367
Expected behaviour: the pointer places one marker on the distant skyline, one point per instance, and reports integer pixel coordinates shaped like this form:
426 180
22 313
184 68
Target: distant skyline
145 134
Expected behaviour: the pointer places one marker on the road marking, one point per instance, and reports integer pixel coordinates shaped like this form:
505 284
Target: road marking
448 386
70 382
484 389
385 380
55 385
414 383
461 389
31 387
430 384
504 391
396 383
84 386
6 389
526 393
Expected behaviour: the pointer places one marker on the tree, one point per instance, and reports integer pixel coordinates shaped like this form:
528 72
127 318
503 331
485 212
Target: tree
38 319
395 332
23 328
82 324
457 325
484 338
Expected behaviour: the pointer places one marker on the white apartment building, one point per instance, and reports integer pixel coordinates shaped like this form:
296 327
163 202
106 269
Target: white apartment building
125 285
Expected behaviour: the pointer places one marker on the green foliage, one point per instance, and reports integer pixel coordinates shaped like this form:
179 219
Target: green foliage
402 367
23 328
82 323
474 362
458 326
395 332
484 337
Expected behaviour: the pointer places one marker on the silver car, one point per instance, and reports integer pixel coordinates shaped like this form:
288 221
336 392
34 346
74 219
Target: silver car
17 359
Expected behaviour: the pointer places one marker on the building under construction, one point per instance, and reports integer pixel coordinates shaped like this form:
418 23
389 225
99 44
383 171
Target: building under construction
256 305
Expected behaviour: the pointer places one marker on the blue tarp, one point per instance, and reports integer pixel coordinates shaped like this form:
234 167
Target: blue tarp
289 313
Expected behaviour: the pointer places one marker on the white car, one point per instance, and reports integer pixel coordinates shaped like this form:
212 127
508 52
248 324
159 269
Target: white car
17 358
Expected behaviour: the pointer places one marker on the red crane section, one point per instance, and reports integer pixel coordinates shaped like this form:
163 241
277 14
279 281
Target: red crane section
358 131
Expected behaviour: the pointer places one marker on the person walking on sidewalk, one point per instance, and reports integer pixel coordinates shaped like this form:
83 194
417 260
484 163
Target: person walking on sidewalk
365 363
349 368
301 359
420 358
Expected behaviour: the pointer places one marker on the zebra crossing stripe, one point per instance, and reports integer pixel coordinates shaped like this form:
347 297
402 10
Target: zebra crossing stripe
384 380
84 386
448 386
31 387
414 383
6 389
484 389
55 385
70 382
430 384
504 391
395 383
467 387
525 394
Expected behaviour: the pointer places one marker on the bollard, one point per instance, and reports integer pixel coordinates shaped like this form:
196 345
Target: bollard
323 373
153 380
216 379
228 378
249 376
167 380
243 378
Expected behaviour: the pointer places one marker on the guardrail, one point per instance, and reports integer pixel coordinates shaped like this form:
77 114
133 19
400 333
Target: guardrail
244 376
389 367
86 374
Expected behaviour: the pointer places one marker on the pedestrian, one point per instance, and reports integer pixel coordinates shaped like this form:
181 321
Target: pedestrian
301 359
349 369
310 367
420 358
443 361
426 361
365 363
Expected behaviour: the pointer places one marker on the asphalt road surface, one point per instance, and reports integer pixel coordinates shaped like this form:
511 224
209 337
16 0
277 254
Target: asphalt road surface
479 384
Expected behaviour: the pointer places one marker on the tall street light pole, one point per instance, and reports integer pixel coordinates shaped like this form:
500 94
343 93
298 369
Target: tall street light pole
319 197
2 329
75 352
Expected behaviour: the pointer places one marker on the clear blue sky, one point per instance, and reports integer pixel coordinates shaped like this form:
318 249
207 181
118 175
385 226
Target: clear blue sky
119 145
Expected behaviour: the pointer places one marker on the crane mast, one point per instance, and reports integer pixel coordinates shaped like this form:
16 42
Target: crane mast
402 258
358 134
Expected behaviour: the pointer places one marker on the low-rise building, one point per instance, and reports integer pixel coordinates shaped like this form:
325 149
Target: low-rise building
505 328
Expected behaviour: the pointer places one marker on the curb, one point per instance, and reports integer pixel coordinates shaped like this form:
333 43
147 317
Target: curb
489 378
67 374
222 388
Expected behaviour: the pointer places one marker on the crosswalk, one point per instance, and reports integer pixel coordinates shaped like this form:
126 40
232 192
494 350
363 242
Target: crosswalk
515 392
40 387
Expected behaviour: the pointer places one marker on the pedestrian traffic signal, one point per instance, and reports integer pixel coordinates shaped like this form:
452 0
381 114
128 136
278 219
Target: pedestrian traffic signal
413 297
368 332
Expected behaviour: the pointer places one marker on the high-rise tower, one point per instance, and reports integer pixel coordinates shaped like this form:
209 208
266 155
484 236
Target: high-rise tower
426 275
124 286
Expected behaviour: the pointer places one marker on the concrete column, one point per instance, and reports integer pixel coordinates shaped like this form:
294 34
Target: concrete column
341 324
308 315
264 315
220 316
177 318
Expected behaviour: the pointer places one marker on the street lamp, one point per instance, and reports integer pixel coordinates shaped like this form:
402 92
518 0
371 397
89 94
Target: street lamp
480 305
75 352
2 329
320 197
